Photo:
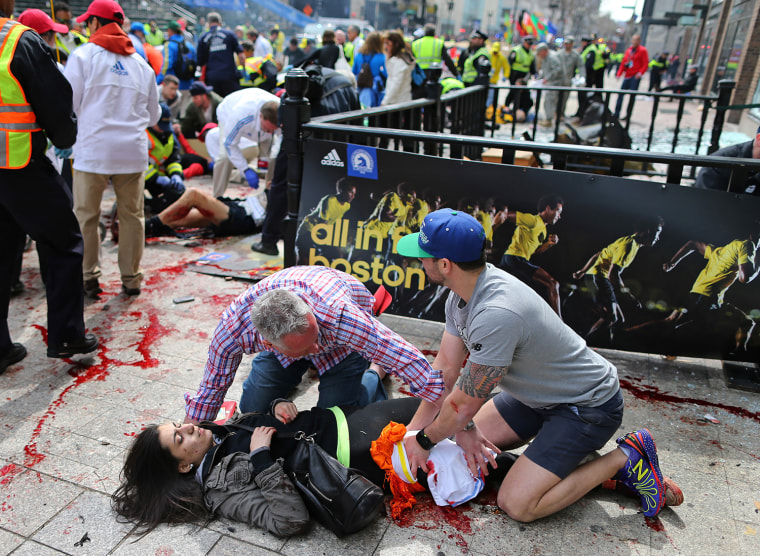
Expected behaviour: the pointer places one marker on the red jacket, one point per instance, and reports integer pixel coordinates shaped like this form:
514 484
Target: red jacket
639 62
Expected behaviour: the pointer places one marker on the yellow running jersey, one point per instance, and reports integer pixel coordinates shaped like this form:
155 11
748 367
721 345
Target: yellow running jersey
621 253
722 268
529 235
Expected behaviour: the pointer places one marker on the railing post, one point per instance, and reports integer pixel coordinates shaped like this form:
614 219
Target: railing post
725 88
295 112
432 116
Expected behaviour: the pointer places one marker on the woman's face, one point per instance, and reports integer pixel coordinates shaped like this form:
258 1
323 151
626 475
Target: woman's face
387 45
187 443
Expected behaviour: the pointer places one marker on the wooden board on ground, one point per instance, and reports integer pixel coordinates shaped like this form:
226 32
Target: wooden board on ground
522 158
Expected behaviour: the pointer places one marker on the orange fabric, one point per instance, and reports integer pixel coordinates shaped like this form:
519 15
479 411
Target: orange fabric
382 450
155 58
114 39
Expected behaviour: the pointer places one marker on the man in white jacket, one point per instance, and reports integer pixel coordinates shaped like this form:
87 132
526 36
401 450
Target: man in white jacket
115 100
246 114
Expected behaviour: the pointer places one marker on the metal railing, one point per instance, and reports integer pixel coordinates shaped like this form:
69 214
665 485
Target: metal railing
420 126
718 104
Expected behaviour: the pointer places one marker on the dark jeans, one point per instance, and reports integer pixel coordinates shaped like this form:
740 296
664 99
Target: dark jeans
629 84
224 87
277 201
44 212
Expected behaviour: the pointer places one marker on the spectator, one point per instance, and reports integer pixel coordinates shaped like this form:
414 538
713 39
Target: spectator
261 46
330 51
685 86
552 74
371 56
153 56
217 52
170 95
177 52
107 73
293 55
201 111
718 178
354 35
633 67
399 65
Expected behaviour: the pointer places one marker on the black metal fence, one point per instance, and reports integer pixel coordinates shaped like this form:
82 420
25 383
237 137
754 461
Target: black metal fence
715 105
453 125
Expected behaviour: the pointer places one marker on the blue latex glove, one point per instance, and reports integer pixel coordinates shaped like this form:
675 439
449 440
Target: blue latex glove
63 153
163 181
177 181
210 165
252 177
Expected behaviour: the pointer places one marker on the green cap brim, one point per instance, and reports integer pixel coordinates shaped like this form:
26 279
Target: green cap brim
409 246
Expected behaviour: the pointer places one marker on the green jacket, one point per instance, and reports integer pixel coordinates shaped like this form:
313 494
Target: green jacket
193 121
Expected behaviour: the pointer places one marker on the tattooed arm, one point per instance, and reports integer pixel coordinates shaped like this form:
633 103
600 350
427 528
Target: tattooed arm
471 391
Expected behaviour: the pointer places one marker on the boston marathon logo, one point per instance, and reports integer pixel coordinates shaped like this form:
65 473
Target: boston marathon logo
332 159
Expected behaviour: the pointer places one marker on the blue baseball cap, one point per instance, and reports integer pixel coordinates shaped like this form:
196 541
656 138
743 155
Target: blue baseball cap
165 122
445 234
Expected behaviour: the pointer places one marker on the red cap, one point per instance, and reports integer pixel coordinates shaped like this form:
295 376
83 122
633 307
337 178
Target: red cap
206 128
107 9
41 22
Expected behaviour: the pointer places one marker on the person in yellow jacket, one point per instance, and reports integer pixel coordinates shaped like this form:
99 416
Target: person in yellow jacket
500 66
429 50
258 71
36 105
164 179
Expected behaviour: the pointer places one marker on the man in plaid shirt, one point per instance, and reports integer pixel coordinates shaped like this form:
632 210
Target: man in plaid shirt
305 317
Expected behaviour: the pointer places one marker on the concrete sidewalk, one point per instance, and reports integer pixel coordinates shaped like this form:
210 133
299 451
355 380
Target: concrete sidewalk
66 425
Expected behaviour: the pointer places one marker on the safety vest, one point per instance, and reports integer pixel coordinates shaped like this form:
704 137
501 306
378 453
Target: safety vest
17 119
598 60
427 50
450 84
348 52
75 39
253 66
523 59
158 153
469 74
655 63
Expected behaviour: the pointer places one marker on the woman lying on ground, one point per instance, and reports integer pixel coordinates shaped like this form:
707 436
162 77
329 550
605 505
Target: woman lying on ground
187 474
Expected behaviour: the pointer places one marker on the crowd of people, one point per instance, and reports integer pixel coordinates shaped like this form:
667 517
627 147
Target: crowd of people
128 97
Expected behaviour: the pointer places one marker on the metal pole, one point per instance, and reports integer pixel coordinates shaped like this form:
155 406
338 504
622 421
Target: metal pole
295 112
725 88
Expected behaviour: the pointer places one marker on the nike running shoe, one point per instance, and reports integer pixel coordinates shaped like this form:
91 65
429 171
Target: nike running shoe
641 472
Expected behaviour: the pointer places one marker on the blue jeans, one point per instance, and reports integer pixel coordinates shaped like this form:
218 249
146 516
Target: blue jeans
346 383
629 84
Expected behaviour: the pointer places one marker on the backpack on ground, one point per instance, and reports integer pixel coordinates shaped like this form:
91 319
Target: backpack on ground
184 65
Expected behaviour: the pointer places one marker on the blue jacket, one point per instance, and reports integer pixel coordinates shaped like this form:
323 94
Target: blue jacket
217 49
171 51
376 64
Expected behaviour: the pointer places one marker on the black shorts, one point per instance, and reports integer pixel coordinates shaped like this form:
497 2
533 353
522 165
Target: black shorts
239 222
604 295
519 267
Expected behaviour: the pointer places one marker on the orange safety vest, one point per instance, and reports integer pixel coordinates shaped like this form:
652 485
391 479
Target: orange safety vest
17 119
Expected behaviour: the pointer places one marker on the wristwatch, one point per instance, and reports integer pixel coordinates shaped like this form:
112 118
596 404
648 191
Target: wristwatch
424 440
469 426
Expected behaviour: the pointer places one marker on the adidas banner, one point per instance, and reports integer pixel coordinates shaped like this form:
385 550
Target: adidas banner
629 264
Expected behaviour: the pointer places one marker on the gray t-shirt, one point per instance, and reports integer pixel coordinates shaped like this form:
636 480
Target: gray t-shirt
506 323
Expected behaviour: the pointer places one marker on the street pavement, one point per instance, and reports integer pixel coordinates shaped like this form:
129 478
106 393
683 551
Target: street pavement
66 425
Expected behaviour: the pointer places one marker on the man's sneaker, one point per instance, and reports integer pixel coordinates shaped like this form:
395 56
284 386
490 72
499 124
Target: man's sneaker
266 248
14 354
67 349
92 288
673 493
641 472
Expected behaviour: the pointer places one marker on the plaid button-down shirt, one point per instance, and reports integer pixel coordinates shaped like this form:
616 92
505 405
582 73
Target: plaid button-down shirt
343 309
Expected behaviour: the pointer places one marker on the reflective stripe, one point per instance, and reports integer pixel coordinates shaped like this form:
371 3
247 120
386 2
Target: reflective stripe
3 150
20 108
427 50
20 126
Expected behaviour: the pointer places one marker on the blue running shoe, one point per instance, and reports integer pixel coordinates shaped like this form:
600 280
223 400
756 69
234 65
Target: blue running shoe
641 472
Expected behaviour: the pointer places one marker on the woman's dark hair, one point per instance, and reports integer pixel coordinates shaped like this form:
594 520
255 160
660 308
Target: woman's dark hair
328 37
153 491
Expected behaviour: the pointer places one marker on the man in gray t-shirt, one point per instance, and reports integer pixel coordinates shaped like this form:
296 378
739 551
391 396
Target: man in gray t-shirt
557 393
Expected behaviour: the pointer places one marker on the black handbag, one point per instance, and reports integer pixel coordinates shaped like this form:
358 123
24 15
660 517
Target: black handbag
340 498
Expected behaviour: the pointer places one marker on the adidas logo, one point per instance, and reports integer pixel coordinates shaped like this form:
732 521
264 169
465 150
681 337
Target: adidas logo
119 69
332 159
